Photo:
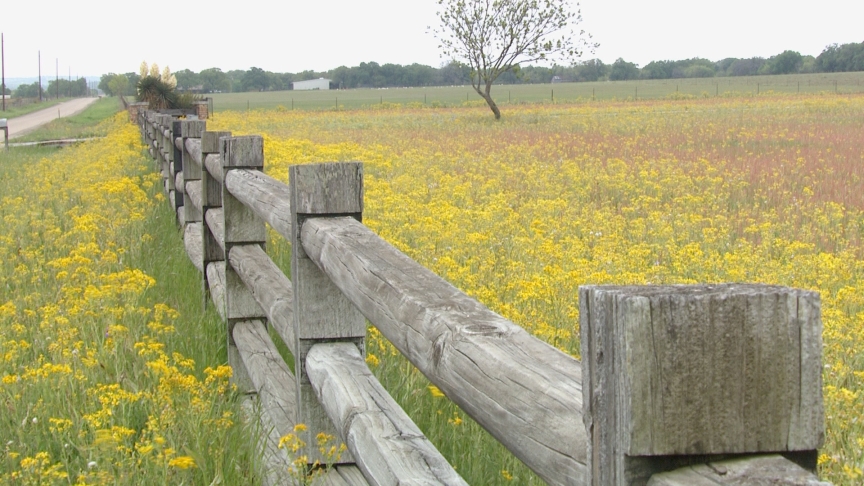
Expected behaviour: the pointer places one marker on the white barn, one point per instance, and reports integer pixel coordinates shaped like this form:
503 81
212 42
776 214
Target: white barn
320 83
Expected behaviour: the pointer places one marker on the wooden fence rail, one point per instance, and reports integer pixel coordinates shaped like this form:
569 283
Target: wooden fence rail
527 394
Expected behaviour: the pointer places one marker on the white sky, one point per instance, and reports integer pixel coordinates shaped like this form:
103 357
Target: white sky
96 37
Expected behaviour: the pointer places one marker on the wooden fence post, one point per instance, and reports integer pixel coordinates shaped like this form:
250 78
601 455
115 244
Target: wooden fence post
191 170
674 375
166 152
175 129
211 198
242 227
321 312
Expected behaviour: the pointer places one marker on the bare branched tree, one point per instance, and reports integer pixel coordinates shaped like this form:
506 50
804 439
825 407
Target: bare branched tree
495 36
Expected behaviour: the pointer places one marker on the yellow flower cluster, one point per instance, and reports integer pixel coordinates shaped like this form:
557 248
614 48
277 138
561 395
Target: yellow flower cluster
520 213
94 384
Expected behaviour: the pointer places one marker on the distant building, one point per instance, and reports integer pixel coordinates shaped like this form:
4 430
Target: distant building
320 83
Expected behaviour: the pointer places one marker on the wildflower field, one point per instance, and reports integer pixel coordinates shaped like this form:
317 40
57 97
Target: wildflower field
110 372
520 213
101 381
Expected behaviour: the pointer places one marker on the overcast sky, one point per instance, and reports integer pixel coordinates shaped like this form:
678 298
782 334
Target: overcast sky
96 37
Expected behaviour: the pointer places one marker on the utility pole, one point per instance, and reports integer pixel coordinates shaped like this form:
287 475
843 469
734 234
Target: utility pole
57 76
3 69
40 76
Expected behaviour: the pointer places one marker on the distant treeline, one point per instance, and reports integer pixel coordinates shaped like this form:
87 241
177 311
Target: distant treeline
59 88
835 58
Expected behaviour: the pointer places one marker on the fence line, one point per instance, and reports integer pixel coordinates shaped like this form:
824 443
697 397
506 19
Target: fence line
527 394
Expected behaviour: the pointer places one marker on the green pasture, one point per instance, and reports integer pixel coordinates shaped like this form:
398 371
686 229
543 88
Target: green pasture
539 93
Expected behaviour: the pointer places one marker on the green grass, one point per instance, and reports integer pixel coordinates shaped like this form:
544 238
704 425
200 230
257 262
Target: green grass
82 125
536 93
17 107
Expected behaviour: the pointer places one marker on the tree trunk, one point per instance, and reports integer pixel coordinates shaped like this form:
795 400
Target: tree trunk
486 96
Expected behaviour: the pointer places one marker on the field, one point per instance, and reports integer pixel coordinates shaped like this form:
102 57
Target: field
97 385
547 93
519 213
99 305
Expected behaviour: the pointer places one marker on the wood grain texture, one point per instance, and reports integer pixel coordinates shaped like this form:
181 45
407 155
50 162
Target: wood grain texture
756 470
268 198
192 164
342 475
193 243
327 188
321 311
388 447
698 370
242 152
242 225
216 223
270 375
216 282
270 287
213 163
193 190
179 183
526 393
239 301
210 141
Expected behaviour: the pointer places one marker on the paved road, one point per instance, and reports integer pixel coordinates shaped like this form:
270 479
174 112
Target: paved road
26 123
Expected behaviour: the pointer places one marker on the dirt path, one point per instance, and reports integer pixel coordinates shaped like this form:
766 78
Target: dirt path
26 123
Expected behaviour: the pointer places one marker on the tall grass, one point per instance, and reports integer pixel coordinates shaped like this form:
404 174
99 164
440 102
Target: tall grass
519 213
109 370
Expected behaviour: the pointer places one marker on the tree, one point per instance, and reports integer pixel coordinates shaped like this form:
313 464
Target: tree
255 79
214 80
118 84
495 36
26 90
840 58
591 70
787 62
187 80
622 70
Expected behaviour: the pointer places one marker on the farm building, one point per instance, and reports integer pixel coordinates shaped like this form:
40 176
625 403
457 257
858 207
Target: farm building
320 83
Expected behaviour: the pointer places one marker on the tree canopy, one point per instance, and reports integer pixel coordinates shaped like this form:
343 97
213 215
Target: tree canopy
494 36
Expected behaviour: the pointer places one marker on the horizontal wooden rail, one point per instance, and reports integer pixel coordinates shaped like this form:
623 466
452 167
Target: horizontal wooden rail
269 198
271 377
526 393
216 223
213 164
387 445
193 147
270 287
180 183
216 280
192 241
193 190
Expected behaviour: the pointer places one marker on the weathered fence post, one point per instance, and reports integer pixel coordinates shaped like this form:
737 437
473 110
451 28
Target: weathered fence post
211 198
677 375
174 130
242 227
191 170
322 313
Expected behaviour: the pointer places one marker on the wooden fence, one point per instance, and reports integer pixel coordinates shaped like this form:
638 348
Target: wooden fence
680 384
